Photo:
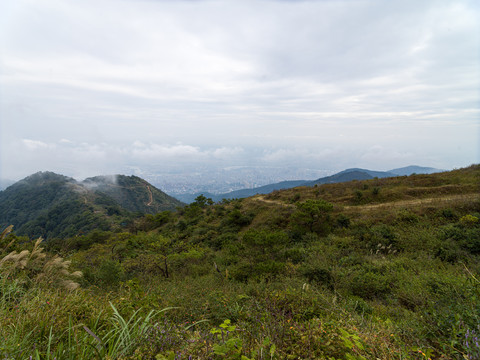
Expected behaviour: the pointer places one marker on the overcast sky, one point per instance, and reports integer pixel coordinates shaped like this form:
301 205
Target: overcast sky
97 86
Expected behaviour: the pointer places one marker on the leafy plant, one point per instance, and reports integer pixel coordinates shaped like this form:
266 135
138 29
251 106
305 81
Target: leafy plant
227 345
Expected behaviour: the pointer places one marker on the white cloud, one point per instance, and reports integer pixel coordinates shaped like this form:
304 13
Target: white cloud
162 151
299 155
190 82
382 156
36 144
227 153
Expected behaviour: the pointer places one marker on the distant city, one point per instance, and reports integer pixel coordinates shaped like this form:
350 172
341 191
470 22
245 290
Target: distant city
218 181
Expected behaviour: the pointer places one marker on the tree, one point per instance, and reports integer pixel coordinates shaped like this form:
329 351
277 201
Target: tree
203 201
313 216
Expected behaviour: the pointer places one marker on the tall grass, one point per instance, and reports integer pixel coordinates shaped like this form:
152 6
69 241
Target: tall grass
24 333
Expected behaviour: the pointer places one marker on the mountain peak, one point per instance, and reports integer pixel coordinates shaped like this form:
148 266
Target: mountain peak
414 169
48 204
43 177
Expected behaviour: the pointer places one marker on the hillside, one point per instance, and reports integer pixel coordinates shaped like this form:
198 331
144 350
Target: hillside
132 193
384 268
342 176
51 205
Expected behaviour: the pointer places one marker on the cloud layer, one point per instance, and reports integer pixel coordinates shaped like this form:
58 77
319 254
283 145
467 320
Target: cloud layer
95 87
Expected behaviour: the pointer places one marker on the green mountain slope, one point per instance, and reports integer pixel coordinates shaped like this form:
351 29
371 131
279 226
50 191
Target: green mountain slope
132 193
51 205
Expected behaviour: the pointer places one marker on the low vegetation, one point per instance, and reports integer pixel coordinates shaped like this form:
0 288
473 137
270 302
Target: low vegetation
376 269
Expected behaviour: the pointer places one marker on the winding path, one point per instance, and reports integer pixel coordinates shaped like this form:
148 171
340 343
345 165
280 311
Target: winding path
389 204
268 201
150 195
414 202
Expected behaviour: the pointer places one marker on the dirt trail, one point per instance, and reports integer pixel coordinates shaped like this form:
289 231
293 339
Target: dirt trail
150 195
276 202
407 203
391 204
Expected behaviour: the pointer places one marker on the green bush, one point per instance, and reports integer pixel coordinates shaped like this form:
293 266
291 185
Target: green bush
312 216
110 273
370 285
319 276
343 221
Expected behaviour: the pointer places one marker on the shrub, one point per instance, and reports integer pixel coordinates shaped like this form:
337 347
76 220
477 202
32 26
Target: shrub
369 285
384 234
449 251
295 198
236 219
313 216
448 214
319 276
110 273
343 221
358 196
359 305
469 220
296 255
407 217
468 238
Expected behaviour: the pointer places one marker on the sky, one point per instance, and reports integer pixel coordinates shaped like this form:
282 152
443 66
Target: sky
157 86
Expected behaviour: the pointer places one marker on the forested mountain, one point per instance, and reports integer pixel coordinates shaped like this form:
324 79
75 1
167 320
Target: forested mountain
51 205
132 193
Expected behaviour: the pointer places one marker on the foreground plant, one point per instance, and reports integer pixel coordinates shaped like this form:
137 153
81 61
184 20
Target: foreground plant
32 267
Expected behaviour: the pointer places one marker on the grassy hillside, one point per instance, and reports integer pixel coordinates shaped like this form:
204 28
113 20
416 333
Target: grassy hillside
374 269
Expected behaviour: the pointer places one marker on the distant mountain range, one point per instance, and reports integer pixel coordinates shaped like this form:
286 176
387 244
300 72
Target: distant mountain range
51 205
413 169
343 176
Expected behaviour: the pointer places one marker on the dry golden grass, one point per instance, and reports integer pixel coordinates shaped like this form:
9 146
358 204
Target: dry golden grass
35 266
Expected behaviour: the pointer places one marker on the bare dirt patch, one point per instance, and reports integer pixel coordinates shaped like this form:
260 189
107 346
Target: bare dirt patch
150 196
261 198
